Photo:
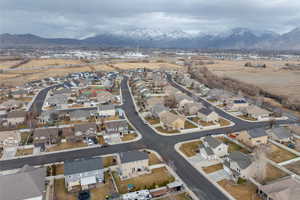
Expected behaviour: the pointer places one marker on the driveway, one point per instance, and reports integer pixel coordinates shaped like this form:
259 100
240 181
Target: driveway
218 175
199 161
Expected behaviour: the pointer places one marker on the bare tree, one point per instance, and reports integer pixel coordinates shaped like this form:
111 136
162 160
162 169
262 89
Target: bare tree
260 162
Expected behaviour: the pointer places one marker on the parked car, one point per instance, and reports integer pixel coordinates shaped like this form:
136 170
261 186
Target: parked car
84 195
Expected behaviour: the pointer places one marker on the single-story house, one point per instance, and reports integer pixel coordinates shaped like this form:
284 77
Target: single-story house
237 104
57 100
106 110
157 109
208 115
212 148
256 112
86 130
280 134
286 188
192 108
80 115
238 165
137 195
28 184
171 121
48 116
44 136
69 135
253 137
133 163
16 117
9 138
154 100
116 127
85 173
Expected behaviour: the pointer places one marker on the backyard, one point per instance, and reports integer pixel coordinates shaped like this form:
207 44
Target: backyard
233 146
278 154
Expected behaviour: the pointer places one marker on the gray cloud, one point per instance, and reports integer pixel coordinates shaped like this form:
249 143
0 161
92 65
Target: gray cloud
77 18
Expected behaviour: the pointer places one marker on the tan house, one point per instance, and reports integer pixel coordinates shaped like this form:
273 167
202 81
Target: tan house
16 117
253 137
208 115
171 121
133 163
9 139
256 112
287 188
192 108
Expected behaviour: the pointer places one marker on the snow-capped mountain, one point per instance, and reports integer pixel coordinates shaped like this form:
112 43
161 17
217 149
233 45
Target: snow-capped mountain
237 38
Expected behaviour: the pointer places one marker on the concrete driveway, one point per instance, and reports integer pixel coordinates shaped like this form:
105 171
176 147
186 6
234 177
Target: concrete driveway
218 175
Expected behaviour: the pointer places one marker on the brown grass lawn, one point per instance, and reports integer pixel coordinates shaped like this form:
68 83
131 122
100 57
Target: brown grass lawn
60 192
153 159
129 136
213 168
203 123
246 191
279 155
233 146
109 161
24 152
100 192
182 196
66 145
158 178
160 129
101 139
152 120
190 148
245 117
59 169
273 173
224 122
294 167
188 125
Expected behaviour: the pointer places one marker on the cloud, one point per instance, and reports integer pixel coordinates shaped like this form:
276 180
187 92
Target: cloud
78 18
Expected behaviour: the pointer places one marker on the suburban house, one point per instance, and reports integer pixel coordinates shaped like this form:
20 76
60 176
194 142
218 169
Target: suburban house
182 99
69 135
256 112
157 109
192 108
253 137
16 117
9 139
237 104
57 100
280 134
85 130
238 165
116 127
80 115
212 148
83 174
104 97
154 100
28 184
48 116
286 188
133 163
45 136
208 115
137 195
106 110
171 121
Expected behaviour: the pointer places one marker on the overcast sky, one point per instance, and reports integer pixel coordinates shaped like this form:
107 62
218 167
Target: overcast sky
79 18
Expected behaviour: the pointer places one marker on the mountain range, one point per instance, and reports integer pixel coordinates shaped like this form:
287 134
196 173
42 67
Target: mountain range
237 38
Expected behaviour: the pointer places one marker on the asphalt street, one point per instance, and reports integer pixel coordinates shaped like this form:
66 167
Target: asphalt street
164 145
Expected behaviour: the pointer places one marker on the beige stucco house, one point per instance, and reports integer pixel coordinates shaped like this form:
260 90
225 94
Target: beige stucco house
9 139
171 121
253 137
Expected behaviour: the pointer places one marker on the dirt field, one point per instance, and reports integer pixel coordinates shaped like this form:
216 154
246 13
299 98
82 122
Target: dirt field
271 78
146 65
48 62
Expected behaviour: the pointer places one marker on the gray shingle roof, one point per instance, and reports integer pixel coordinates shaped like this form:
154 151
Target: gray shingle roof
243 160
208 150
131 156
212 142
257 132
29 182
281 132
82 165
106 107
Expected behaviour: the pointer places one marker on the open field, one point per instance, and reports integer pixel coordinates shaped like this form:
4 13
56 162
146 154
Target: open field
245 191
272 78
50 62
146 65
8 64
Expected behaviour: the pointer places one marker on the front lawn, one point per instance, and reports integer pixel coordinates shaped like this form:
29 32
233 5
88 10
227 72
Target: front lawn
24 152
153 159
246 117
213 168
245 191
66 145
152 121
224 122
162 130
129 136
109 161
158 178
190 149
189 125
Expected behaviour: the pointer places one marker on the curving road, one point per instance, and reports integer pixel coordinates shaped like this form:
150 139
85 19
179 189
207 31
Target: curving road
164 145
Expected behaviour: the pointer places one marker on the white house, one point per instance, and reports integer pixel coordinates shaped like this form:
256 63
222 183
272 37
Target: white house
212 148
106 110
208 115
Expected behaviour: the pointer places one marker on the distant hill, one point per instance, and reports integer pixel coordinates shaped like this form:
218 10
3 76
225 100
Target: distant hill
238 38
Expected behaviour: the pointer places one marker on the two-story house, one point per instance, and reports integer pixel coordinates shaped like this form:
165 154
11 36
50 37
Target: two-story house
212 148
83 173
106 110
253 137
116 127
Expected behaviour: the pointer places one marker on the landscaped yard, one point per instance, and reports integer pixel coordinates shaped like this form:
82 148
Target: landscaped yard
129 136
24 152
272 173
158 178
213 168
245 191
278 154
233 146
160 129
109 161
188 125
224 122
294 167
190 149
66 145
153 120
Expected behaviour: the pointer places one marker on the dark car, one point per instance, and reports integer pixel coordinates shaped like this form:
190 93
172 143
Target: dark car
84 195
